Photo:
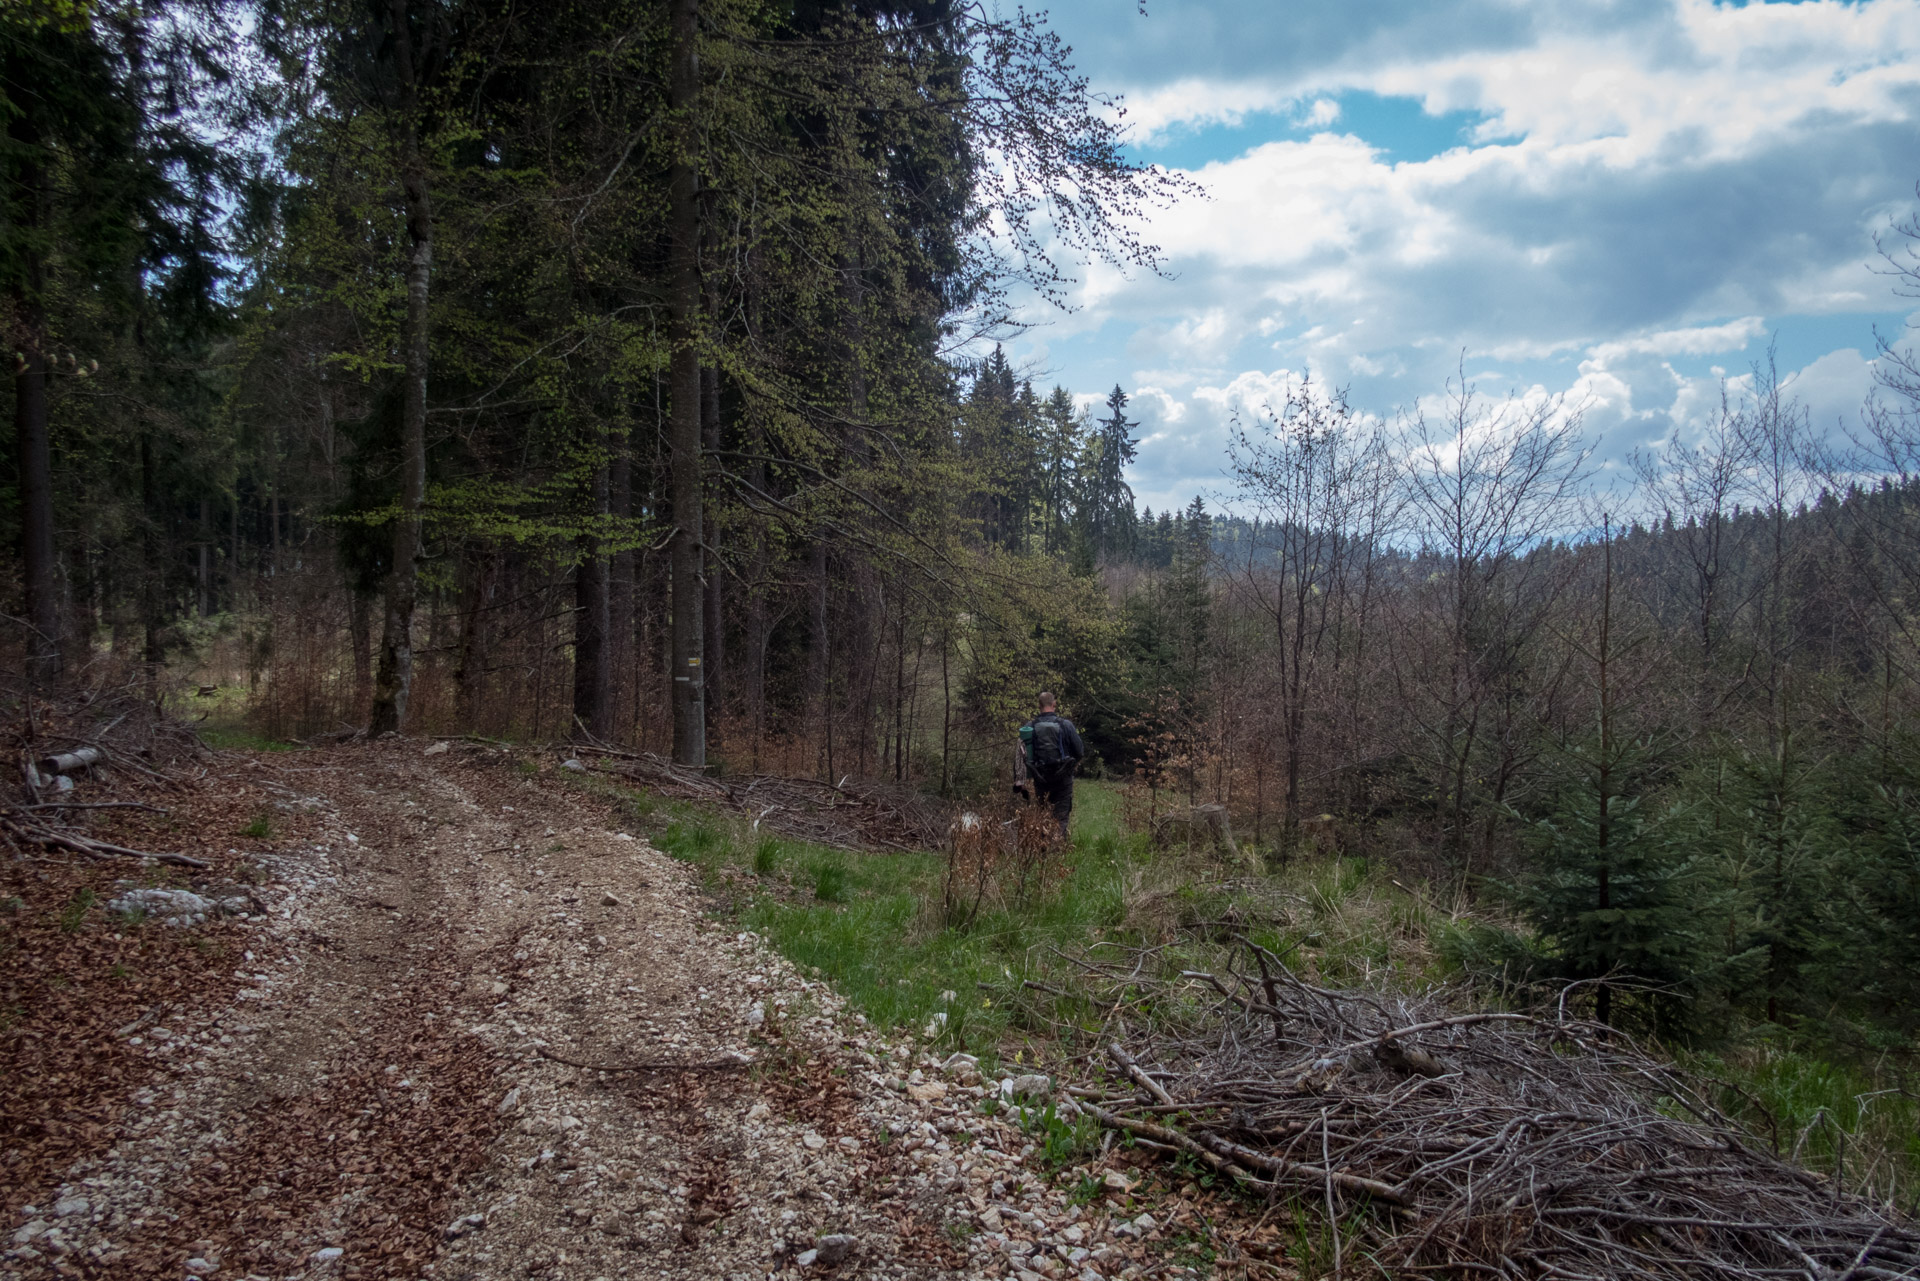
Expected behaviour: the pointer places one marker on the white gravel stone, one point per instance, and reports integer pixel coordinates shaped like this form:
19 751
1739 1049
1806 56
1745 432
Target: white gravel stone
162 904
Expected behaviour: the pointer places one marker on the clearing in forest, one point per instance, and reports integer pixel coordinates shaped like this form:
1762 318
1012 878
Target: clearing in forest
435 1010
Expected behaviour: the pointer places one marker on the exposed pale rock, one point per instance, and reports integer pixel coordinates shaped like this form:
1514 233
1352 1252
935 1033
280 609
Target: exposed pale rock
1031 1086
834 1250
163 904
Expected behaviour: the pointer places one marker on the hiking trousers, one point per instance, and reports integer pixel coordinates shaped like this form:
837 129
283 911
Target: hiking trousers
1056 791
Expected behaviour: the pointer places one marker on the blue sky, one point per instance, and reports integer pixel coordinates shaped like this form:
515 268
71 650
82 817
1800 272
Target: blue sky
1619 201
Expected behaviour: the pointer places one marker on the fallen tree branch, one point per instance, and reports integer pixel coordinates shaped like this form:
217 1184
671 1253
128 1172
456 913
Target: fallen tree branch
1161 1134
1138 1074
96 849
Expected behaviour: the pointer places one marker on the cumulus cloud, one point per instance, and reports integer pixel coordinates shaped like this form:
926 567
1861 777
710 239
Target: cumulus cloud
1652 187
1154 113
1323 112
1633 77
1185 437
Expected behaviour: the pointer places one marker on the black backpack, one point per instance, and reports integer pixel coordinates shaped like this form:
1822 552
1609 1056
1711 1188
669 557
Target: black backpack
1044 749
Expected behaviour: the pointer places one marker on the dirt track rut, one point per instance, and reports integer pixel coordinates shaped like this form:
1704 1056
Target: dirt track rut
409 1083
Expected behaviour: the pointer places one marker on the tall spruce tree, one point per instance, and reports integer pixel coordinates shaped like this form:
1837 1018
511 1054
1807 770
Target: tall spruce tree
1108 497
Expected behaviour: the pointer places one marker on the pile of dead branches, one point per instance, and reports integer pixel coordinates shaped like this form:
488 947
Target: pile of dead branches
1481 1144
90 735
852 814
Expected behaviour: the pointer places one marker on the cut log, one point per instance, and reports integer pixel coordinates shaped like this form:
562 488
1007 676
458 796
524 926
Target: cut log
67 762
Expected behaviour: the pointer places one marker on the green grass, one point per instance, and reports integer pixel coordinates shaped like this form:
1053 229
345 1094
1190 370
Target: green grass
872 925
829 880
238 738
74 914
259 828
873 929
695 841
1838 1119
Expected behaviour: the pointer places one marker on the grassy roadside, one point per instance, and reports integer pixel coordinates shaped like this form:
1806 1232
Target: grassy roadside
872 923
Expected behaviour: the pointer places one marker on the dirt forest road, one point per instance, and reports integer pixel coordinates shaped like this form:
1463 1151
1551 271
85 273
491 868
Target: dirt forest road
405 1076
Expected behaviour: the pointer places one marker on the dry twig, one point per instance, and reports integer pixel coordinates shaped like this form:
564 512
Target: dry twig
1500 1144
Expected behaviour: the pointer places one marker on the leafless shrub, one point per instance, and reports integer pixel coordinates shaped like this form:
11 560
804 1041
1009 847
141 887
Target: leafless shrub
973 857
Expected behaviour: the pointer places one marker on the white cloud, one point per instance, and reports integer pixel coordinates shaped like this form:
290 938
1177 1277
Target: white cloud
1184 439
1654 183
1196 102
1717 78
1322 113
1700 340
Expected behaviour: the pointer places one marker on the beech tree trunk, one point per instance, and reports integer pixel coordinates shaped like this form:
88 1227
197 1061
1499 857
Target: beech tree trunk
622 694
360 626
592 657
688 684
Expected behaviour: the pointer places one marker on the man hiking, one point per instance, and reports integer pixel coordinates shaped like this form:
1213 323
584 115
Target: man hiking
1050 751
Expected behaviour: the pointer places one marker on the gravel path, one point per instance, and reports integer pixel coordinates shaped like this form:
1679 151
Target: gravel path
482 1034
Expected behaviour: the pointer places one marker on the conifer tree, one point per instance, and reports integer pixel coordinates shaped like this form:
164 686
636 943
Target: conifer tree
1607 887
1060 434
1108 496
1780 848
